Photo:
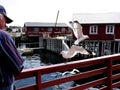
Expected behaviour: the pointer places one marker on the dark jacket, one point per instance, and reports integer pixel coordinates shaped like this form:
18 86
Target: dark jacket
11 62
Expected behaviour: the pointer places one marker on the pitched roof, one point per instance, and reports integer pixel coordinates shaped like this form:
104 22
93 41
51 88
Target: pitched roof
91 18
44 24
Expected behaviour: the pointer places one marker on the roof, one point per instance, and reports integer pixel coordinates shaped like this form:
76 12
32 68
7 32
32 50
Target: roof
93 18
43 24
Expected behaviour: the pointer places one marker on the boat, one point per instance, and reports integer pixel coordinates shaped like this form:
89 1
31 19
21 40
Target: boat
25 51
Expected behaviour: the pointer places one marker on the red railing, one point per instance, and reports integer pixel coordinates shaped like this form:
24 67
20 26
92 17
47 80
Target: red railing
105 68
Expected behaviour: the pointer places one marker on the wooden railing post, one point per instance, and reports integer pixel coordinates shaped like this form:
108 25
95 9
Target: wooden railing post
38 80
109 74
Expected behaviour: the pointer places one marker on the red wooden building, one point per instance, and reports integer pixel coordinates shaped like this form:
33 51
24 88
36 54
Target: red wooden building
100 26
46 30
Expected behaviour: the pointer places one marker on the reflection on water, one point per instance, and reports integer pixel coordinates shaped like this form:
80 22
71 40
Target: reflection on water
50 57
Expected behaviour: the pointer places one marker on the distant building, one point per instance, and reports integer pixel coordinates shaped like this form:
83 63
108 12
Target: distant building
15 31
46 30
100 26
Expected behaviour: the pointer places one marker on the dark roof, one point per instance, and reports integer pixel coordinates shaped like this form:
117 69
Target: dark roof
93 18
43 24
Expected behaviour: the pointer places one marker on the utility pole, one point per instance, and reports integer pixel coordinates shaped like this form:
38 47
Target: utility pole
57 18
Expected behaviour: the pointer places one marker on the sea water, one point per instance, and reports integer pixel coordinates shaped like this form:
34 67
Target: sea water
34 61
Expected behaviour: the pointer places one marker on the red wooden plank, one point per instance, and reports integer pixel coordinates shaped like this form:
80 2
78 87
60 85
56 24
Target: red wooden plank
117 84
87 85
73 77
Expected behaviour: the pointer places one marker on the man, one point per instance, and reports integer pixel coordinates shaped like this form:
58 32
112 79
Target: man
11 62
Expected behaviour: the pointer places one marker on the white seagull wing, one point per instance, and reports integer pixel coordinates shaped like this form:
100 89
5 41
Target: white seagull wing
64 73
74 71
76 42
78 32
70 53
65 50
80 49
65 46
74 29
73 51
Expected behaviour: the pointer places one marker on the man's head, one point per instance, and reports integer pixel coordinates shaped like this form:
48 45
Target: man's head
3 12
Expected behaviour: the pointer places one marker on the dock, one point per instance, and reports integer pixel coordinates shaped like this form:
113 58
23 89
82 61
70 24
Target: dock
101 47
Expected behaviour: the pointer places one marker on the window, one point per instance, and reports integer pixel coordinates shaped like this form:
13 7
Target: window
109 29
63 29
42 29
36 29
50 29
94 29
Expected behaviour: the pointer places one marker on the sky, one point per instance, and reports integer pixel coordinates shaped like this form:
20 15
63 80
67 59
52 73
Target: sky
22 11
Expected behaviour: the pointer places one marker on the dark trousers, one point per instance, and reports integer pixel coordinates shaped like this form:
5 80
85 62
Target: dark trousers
7 87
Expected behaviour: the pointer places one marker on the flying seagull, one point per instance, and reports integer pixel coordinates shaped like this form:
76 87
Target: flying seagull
68 53
74 71
77 30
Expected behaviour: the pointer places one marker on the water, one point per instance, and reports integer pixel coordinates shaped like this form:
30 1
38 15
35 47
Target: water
35 61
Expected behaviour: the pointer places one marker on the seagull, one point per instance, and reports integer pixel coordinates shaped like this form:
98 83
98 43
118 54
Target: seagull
74 71
77 30
68 53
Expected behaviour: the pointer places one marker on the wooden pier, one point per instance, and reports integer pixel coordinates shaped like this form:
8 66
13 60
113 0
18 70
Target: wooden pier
101 48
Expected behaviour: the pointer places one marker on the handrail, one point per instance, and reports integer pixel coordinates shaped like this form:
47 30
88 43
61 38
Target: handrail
104 68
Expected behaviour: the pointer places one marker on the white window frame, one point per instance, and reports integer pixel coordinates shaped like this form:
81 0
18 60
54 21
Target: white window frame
93 29
110 29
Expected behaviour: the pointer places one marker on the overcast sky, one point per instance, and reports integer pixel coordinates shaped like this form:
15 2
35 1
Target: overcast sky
46 10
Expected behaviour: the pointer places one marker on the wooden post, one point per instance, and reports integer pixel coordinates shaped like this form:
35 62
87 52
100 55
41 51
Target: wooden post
38 81
109 74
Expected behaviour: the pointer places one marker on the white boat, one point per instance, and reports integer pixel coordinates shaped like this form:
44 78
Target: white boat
25 51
